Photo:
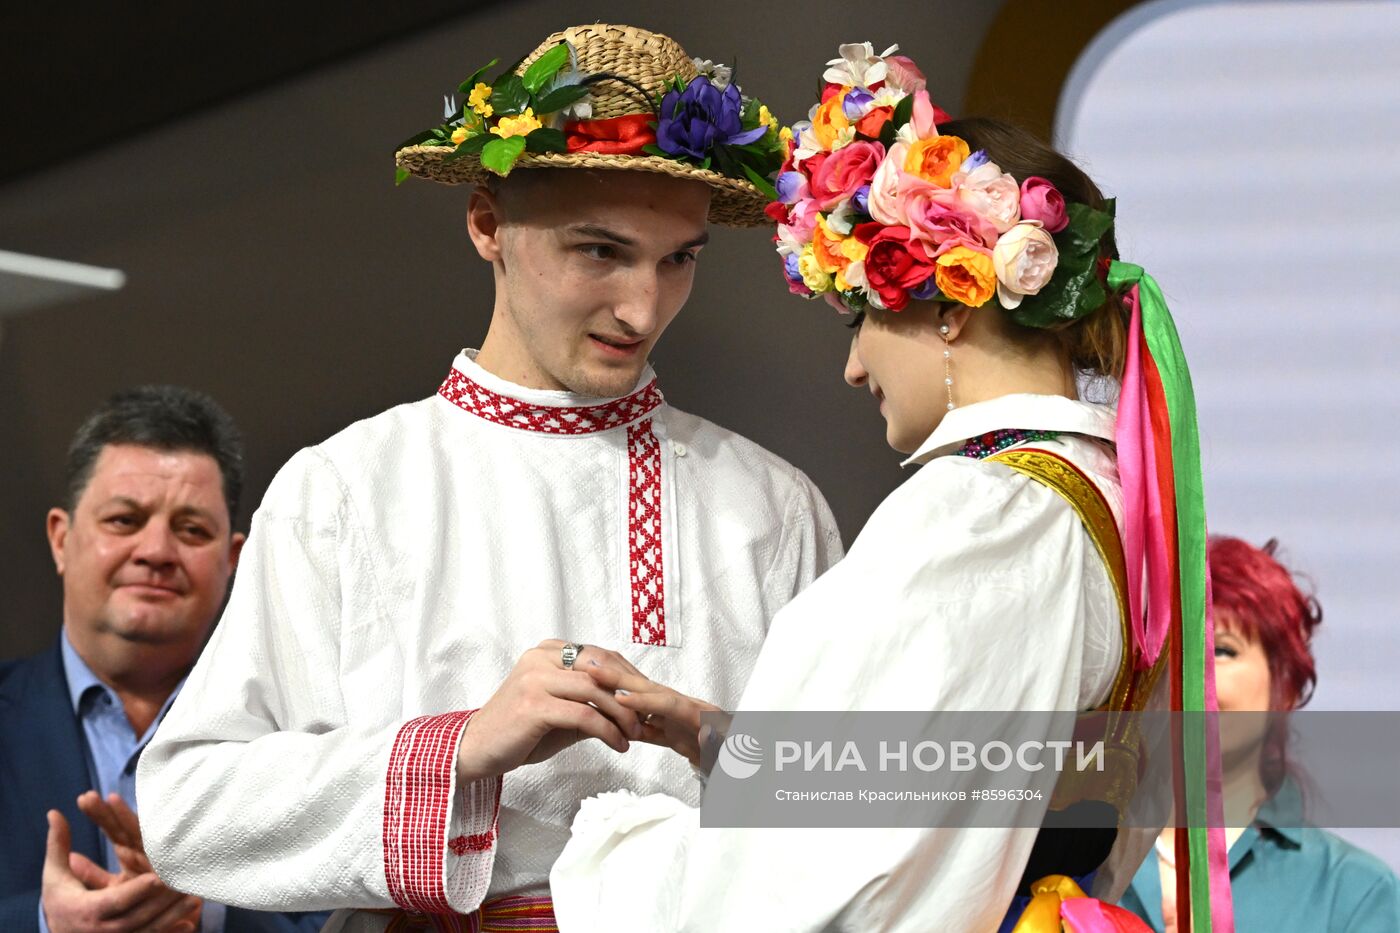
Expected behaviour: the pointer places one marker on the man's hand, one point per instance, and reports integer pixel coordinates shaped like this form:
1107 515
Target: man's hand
669 718
79 897
117 820
541 709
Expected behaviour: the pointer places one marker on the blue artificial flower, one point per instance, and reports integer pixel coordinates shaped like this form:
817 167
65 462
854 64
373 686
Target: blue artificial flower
694 121
976 160
862 199
790 266
857 103
792 187
924 290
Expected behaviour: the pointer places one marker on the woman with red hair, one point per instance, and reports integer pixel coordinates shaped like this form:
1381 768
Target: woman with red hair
1282 878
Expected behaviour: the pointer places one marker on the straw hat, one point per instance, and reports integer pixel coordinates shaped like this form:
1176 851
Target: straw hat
649 60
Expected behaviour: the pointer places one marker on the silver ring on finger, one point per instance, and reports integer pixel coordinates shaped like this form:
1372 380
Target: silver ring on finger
569 654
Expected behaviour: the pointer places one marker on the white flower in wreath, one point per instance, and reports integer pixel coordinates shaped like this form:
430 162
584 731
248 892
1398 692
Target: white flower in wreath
858 65
807 143
719 75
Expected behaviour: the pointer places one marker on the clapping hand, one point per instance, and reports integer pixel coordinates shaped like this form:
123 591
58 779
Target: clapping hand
80 896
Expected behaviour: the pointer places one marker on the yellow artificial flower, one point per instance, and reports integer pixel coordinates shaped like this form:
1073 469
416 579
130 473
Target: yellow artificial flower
785 135
480 99
830 120
827 247
813 276
966 276
854 249
936 159
459 135
765 118
522 125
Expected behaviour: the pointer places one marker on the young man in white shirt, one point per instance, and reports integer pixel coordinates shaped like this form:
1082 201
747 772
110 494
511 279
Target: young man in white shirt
364 731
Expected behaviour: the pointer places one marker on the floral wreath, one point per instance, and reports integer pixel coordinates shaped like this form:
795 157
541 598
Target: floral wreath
705 122
875 207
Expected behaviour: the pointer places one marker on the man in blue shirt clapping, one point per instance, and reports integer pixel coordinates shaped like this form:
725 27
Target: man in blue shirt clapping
145 548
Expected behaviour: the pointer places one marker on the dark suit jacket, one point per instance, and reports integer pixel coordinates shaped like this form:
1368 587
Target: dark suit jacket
43 766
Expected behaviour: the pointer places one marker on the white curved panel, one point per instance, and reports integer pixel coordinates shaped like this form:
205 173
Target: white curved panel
1254 149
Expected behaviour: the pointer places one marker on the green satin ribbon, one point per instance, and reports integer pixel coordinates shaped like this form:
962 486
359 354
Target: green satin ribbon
1164 346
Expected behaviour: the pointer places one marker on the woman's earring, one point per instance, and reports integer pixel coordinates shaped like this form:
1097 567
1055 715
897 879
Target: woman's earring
947 364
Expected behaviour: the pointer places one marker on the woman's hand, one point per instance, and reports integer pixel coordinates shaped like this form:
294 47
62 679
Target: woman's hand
669 718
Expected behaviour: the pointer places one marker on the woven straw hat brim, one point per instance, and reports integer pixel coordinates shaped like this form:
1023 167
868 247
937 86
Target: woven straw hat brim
733 203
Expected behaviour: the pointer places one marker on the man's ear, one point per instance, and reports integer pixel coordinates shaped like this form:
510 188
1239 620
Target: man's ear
484 224
56 525
235 548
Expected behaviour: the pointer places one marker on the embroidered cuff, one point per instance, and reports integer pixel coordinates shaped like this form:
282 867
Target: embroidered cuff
439 845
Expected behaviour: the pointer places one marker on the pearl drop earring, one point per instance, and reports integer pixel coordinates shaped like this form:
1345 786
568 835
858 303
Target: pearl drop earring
947 364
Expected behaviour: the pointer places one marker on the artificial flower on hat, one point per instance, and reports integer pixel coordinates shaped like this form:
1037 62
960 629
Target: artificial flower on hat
876 207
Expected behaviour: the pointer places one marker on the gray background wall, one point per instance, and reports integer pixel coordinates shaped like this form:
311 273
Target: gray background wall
272 263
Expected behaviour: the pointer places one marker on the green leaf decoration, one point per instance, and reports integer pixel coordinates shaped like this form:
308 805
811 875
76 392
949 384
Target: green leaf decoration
749 115
473 122
561 97
706 164
470 146
759 182
888 131
854 300
653 149
417 139
466 86
499 155
1074 290
902 111
545 139
508 96
400 176
545 67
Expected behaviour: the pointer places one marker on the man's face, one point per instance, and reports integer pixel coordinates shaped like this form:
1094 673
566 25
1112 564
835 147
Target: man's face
146 554
590 268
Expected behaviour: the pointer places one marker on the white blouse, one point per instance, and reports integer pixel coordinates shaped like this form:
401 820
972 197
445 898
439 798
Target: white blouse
972 587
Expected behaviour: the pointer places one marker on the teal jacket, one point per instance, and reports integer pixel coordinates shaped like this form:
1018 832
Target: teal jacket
1284 879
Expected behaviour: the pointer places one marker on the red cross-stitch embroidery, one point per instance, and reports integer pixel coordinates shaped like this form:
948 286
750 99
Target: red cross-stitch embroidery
644 535
643 476
473 397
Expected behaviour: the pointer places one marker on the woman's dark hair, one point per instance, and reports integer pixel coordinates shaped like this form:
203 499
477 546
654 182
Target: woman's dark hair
1096 343
163 417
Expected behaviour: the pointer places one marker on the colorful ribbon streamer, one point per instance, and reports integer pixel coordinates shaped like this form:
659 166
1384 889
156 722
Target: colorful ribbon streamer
1159 463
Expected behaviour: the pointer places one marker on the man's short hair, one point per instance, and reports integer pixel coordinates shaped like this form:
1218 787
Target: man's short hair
164 417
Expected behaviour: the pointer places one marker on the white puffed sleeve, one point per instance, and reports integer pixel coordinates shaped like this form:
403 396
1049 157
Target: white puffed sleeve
970 588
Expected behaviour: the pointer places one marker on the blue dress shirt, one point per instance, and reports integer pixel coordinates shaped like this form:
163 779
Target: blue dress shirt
112 752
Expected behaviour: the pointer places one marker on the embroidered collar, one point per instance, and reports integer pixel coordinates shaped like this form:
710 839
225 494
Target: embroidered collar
477 392
1022 411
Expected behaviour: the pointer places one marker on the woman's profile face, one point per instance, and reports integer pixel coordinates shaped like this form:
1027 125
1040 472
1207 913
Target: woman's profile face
1242 679
1242 685
898 356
